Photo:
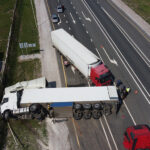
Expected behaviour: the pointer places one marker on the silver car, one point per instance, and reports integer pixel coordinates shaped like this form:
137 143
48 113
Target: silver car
55 18
60 8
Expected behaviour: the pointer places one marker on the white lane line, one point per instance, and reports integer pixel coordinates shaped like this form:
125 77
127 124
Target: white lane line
79 18
60 20
86 18
69 28
87 32
99 55
111 133
71 3
73 7
105 134
129 113
64 15
72 18
83 25
91 40
76 12
113 61
110 42
66 21
130 40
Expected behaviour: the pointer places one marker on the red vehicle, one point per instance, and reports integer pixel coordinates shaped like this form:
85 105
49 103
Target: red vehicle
137 138
81 58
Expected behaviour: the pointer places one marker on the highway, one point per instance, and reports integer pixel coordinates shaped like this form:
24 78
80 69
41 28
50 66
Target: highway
119 43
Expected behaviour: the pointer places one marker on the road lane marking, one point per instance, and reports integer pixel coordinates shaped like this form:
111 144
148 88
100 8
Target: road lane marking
86 18
99 55
49 13
129 21
105 134
87 32
69 28
82 24
77 138
111 133
72 18
113 61
91 40
129 113
60 20
129 39
117 51
79 18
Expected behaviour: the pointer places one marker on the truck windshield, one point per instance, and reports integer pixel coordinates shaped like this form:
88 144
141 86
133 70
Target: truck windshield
127 136
5 100
105 77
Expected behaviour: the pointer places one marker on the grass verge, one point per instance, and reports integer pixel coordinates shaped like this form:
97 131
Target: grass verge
6 14
23 30
28 29
141 7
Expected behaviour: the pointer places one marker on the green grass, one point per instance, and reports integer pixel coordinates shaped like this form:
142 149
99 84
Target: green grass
27 131
24 30
6 13
28 30
141 7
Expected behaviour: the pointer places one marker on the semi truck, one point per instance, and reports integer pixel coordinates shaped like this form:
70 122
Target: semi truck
29 102
82 58
137 138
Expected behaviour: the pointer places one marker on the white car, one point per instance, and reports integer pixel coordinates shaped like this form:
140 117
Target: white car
60 8
55 18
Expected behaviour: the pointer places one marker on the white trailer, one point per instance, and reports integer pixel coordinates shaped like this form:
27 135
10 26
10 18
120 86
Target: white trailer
59 102
82 58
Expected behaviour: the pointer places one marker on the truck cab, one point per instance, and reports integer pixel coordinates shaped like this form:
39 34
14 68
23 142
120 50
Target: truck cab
101 75
137 138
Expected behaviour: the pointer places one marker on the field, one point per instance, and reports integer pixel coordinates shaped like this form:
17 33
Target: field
24 31
141 7
6 14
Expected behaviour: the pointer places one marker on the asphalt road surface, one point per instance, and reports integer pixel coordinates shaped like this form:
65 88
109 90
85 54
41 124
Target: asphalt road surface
109 34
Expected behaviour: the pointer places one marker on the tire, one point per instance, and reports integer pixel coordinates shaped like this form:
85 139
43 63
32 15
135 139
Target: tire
87 115
78 115
7 115
35 108
96 114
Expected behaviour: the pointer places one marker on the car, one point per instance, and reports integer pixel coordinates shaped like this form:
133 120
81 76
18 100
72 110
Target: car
55 18
60 8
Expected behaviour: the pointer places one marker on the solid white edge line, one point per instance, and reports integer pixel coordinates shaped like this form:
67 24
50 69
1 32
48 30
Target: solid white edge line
129 113
111 133
105 134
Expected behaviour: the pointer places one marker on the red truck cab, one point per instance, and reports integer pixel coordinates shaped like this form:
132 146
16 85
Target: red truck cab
101 75
137 138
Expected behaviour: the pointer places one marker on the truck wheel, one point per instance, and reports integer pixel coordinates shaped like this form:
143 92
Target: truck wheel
87 114
96 114
7 115
35 108
77 115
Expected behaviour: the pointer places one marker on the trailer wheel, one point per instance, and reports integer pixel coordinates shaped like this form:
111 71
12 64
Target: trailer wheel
7 115
77 114
96 114
87 114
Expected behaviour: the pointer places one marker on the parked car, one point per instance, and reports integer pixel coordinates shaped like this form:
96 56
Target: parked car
55 18
60 8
